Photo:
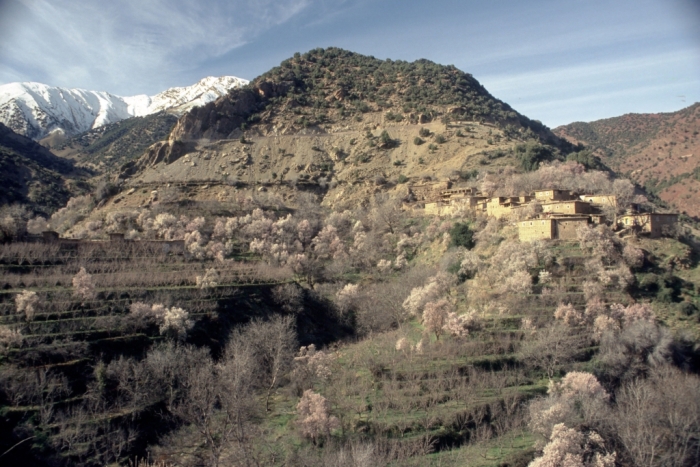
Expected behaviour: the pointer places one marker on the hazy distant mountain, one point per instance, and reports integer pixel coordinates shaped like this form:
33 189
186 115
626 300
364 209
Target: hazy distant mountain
35 110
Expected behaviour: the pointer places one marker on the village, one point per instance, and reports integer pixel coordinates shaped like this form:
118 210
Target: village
544 214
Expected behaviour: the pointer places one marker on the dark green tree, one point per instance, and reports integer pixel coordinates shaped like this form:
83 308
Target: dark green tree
462 235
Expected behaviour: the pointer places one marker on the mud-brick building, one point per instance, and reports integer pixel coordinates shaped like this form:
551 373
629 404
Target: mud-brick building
566 227
652 223
502 206
600 200
549 228
446 208
550 194
568 207
458 193
429 192
536 229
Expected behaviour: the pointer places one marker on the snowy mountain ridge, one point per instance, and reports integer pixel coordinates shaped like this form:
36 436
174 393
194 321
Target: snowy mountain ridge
36 110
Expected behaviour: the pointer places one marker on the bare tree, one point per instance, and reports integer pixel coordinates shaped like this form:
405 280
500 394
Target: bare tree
551 347
658 419
274 344
386 213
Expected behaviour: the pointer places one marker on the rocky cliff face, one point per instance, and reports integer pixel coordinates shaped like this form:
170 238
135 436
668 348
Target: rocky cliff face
221 119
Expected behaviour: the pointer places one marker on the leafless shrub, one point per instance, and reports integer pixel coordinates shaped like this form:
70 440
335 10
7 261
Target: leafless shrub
550 347
632 351
289 297
658 419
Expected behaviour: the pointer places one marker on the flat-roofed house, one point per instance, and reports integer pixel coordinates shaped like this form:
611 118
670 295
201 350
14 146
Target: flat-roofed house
654 223
548 228
567 227
552 195
536 229
600 200
567 207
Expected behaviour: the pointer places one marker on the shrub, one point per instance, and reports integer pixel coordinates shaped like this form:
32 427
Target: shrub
385 140
440 139
462 235
402 178
418 141
424 132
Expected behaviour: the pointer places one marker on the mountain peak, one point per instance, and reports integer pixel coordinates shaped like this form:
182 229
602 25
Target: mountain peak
36 109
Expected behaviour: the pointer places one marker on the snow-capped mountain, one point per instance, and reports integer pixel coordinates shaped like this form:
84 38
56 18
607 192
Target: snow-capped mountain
35 110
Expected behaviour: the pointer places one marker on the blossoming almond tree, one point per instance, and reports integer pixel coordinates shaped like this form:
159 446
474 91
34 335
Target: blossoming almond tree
314 418
28 303
84 285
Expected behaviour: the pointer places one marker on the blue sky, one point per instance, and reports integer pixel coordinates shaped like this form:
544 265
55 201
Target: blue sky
557 61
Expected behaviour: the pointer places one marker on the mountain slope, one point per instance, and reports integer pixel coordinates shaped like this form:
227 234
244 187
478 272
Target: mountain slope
35 110
30 174
331 85
114 144
346 126
660 151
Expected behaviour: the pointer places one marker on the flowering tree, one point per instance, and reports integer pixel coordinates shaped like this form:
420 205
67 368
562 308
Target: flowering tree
569 315
84 285
28 303
568 447
403 345
176 323
346 297
435 316
209 279
313 416
470 264
461 325
9 337
315 362
577 399
437 286
384 266
633 256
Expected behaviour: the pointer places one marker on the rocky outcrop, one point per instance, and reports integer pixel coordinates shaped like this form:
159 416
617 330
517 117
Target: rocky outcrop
162 151
219 119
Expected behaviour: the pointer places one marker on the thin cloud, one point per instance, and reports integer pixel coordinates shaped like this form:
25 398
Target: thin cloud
109 45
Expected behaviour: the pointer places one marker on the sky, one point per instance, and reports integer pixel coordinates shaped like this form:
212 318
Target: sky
556 61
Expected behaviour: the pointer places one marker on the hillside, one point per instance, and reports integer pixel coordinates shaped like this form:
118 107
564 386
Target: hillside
268 286
30 174
110 146
344 124
659 151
